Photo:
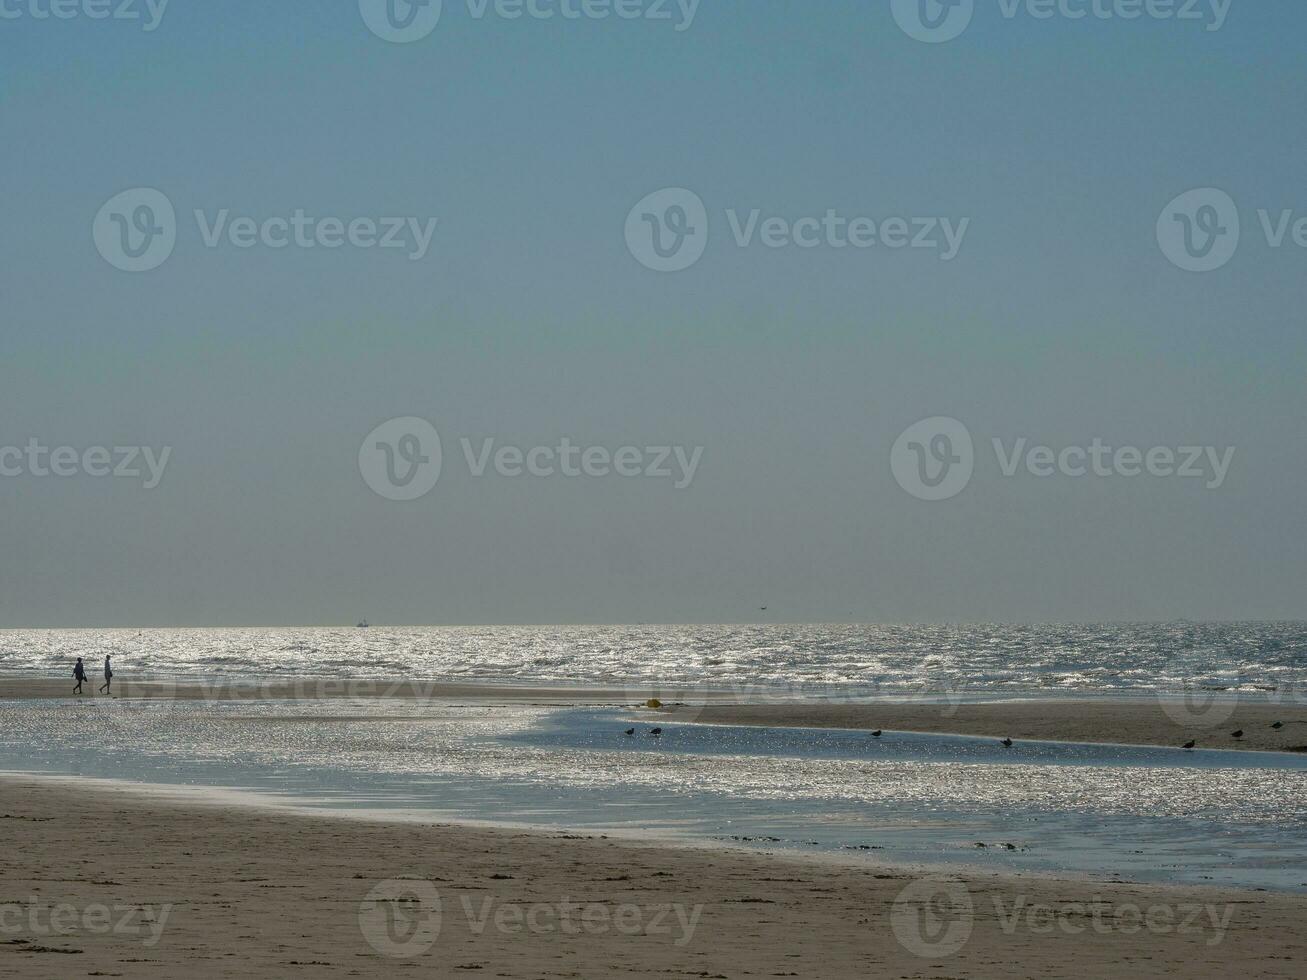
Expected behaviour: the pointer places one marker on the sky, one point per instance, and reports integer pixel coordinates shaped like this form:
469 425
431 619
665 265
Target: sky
803 407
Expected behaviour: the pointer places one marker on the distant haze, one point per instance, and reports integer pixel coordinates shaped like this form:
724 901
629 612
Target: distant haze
526 318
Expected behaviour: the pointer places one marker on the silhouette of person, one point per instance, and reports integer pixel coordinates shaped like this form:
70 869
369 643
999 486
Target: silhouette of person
108 677
79 673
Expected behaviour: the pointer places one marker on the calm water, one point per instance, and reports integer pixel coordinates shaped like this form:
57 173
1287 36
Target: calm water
1266 657
1139 813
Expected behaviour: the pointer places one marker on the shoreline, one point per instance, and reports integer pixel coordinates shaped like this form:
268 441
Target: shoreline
195 796
310 895
309 687
1146 721
1110 719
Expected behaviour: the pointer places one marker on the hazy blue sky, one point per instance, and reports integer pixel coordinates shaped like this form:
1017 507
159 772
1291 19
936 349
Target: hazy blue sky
1060 319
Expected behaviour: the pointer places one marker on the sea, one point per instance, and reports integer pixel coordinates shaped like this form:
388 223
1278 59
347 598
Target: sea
1112 659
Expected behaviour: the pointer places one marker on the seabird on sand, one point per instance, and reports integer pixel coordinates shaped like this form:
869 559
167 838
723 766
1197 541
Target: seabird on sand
1189 744
1278 725
1238 734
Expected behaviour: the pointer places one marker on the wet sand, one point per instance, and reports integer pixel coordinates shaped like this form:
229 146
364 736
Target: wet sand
1143 721
234 891
1137 721
304 687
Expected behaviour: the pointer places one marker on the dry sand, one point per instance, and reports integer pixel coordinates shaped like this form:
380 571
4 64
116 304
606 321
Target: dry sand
261 892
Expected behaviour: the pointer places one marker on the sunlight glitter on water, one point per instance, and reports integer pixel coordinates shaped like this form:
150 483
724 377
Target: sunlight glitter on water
1148 813
1091 658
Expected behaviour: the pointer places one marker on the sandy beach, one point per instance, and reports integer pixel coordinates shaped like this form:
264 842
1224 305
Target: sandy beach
115 879
161 886
1135 721
307 687
1140 721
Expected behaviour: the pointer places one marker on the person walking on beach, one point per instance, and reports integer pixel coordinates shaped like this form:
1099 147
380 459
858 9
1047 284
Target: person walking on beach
108 677
79 674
